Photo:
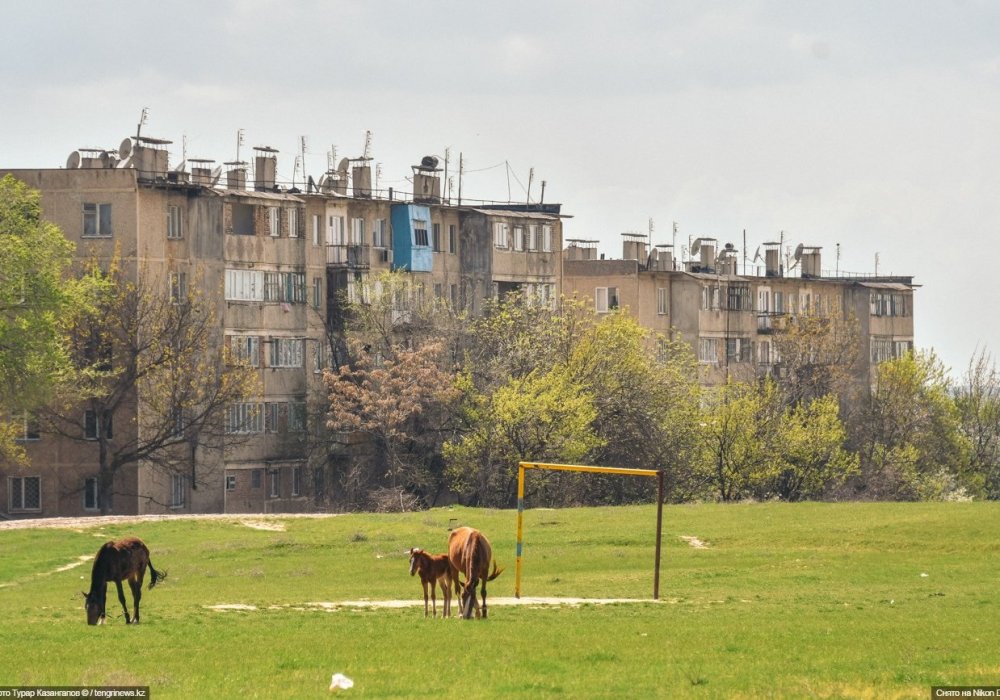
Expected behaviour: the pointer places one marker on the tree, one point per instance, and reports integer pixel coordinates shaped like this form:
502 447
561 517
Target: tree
394 402
646 393
810 450
544 416
739 430
818 354
909 435
978 403
36 298
154 385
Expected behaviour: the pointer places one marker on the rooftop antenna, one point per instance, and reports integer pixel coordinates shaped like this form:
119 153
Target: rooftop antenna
876 263
447 180
331 158
531 176
304 144
378 175
541 198
673 240
650 238
368 145
295 169
837 271
239 142
142 120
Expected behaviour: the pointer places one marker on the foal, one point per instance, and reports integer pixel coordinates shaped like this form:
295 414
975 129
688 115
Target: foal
435 569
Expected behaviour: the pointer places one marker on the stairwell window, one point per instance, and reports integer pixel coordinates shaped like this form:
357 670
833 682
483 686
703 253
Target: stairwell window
274 221
519 238
90 494
293 222
92 427
605 299
178 491
500 234
661 301
452 238
24 493
533 237
380 236
274 478
96 220
437 238
547 238
178 287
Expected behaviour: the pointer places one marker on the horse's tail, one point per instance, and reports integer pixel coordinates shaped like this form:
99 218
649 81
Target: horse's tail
496 571
470 562
156 575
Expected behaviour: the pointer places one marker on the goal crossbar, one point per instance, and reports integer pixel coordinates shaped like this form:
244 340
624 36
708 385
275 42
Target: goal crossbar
522 467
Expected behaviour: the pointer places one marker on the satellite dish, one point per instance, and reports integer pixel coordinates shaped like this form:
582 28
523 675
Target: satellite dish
343 165
125 163
73 162
798 252
216 174
696 246
181 167
125 149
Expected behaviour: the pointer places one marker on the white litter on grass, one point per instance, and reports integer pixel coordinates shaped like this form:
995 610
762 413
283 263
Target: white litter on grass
694 542
923 575
340 682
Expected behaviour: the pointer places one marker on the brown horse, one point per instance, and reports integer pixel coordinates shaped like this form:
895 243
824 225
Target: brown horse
470 553
434 569
119 560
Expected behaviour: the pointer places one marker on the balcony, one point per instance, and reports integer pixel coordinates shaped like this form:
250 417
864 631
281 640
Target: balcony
771 321
350 256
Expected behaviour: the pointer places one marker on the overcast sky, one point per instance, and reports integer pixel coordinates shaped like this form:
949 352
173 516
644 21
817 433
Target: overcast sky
872 125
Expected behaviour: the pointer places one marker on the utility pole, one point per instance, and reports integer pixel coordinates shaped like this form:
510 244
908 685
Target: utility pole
460 166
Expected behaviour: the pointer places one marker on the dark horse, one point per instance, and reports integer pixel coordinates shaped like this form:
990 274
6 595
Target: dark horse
119 560
470 553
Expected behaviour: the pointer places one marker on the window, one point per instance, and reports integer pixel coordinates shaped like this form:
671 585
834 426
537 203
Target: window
92 426
296 416
438 290
380 238
96 220
274 221
335 230
519 238
244 285
605 299
28 428
437 238
881 349
24 492
357 231
245 417
275 481
286 352
255 478
174 222
178 287
316 229
319 356
764 352
708 350
178 491
888 304
178 420
454 296
500 234
243 219
296 481
293 222
737 350
662 300
288 287
710 298
245 349
738 298
901 348
91 500
452 238
547 238
779 303
230 482
533 237
317 292
420 233
275 417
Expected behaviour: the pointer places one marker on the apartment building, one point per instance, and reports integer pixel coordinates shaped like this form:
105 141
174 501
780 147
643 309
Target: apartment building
278 262
730 317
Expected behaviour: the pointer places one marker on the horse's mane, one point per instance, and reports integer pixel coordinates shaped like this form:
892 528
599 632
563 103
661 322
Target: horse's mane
99 574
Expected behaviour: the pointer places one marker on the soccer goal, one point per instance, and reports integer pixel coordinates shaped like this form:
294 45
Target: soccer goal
523 467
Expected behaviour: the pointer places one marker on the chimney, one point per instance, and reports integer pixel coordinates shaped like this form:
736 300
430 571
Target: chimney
708 254
265 168
772 259
361 177
663 254
634 247
810 261
201 171
236 175
426 181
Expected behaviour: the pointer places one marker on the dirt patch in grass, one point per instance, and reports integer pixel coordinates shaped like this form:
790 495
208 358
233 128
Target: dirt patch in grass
263 521
695 542
330 606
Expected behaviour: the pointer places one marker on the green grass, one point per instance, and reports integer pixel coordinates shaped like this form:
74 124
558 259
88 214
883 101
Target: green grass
789 600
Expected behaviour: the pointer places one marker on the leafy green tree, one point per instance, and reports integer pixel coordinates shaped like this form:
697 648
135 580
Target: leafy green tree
36 298
978 402
544 416
810 451
646 393
909 433
819 354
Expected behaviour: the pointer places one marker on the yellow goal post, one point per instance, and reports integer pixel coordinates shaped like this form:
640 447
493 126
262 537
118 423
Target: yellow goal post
522 467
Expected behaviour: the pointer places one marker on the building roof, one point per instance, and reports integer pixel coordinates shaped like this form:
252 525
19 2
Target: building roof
253 194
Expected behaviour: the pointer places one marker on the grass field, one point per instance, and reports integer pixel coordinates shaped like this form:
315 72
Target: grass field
787 600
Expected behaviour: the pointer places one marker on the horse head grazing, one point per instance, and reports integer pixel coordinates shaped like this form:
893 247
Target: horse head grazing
118 560
470 552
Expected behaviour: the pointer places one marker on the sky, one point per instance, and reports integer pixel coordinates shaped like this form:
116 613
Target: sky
872 128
